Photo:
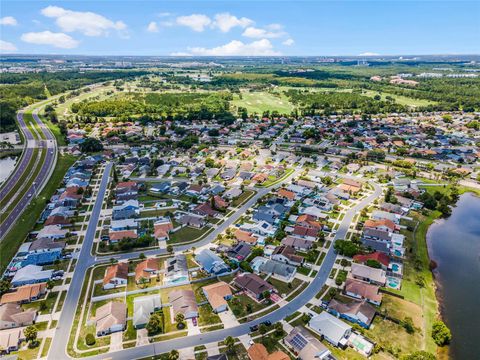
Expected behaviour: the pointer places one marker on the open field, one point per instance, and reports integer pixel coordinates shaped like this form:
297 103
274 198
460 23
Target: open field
261 101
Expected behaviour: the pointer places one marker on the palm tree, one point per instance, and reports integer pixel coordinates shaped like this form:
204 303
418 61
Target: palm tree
230 344
173 355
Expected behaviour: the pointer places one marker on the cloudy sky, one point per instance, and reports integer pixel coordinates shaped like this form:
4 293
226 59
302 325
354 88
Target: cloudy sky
245 27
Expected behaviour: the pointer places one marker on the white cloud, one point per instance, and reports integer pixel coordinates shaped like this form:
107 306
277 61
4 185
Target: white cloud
288 42
164 14
368 54
59 40
261 47
197 22
152 27
8 20
88 23
271 31
6 46
225 22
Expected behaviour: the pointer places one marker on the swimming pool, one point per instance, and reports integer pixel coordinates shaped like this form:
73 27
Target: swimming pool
393 282
176 280
395 267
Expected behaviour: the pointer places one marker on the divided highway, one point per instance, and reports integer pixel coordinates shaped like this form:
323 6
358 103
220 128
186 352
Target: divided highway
47 144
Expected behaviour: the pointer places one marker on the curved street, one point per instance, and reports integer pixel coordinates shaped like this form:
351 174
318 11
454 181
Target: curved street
86 259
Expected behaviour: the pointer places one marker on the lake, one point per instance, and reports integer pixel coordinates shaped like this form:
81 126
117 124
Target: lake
7 165
454 244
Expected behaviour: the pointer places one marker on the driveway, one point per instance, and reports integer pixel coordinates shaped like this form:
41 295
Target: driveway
187 353
228 319
116 341
142 337
192 329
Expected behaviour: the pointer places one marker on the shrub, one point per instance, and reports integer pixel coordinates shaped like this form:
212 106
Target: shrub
90 339
441 333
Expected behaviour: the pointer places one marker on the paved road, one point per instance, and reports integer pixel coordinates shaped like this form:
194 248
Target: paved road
60 340
66 319
50 146
20 168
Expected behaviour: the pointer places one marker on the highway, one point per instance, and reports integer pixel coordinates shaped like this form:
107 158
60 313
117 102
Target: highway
86 260
50 146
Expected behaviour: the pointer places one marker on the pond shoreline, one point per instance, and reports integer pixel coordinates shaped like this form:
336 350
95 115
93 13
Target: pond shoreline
444 260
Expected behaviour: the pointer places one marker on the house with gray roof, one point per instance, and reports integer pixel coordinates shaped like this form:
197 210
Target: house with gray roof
334 330
143 307
278 270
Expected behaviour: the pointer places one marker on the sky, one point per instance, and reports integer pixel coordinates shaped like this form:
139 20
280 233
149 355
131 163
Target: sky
240 28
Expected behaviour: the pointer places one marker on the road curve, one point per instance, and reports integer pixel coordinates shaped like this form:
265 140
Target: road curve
86 260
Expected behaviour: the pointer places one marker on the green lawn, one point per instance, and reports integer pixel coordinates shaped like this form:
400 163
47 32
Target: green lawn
243 197
26 222
261 101
206 316
187 234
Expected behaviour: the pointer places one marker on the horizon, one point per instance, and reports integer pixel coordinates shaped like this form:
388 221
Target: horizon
215 28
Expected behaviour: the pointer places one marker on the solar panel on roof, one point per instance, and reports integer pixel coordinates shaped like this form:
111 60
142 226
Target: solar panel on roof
299 341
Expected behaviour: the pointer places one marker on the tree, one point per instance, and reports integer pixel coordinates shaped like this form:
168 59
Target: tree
407 324
169 248
173 355
4 286
278 328
230 344
346 248
142 256
441 333
90 339
263 329
179 318
419 355
30 333
155 324
91 145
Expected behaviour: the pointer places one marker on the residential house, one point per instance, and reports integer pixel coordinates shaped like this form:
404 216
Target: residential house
363 291
244 236
383 224
380 215
24 294
369 274
143 307
129 209
176 269
306 233
184 302
12 315
145 270
211 263
125 191
286 254
205 209
116 236
334 330
52 232
278 270
381 258
259 352
240 251
110 318
10 340
359 312
162 227
116 275
297 243
125 224
192 221
217 294
253 284
233 193
305 346
220 203
31 274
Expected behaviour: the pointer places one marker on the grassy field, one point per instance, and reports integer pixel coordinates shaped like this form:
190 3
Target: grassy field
11 242
260 101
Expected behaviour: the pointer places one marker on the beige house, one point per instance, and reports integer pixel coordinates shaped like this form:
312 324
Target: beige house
110 318
12 316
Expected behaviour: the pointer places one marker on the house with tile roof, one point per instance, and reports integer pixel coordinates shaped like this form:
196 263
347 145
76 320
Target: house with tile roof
116 275
110 318
217 295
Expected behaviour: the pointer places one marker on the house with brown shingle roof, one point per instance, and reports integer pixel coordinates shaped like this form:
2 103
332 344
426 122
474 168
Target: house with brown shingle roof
217 294
116 236
220 203
110 318
259 352
363 291
162 228
253 284
12 316
383 224
286 194
183 301
244 236
25 294
146 269
115 276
